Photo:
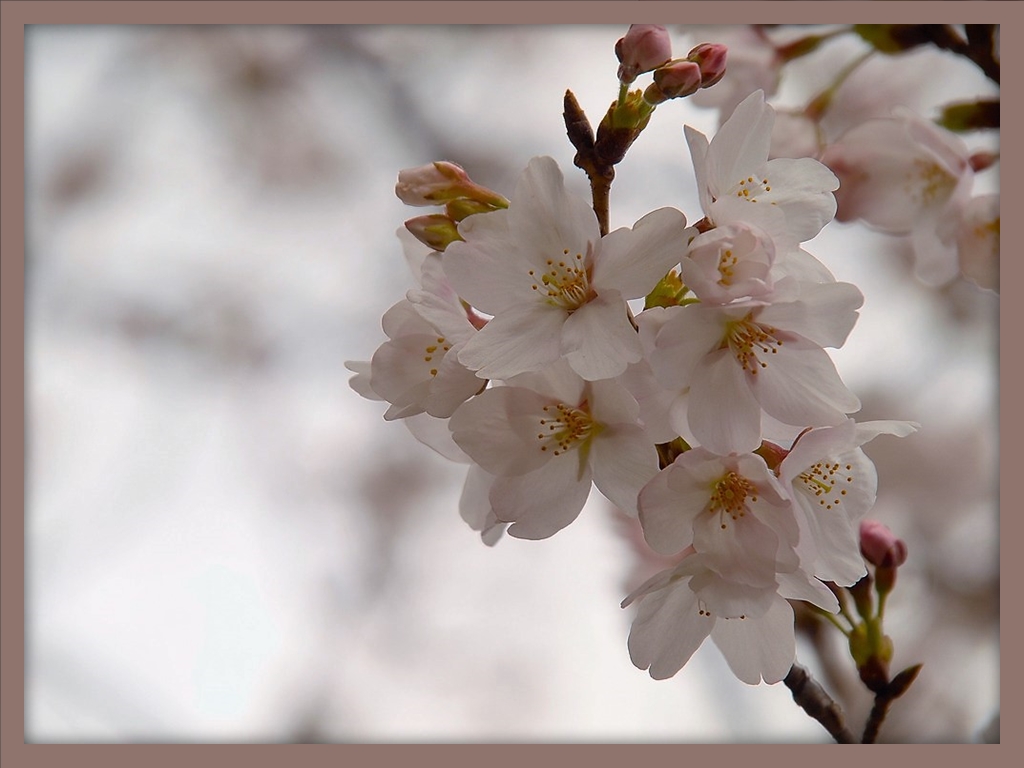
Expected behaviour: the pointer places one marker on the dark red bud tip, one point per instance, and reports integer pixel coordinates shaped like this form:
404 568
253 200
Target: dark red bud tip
880 546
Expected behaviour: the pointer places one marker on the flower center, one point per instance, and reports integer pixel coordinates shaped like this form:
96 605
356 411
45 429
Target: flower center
431 351
827 482
729 497
565 282
747 340
727 261
749 188
929 183
564 427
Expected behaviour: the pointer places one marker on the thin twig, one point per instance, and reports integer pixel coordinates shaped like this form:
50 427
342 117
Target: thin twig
884 699
813 699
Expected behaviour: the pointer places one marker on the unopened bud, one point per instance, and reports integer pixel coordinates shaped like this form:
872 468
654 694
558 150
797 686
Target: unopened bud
710 57
435 230
673 81
880 546
644 47
459 209
440 182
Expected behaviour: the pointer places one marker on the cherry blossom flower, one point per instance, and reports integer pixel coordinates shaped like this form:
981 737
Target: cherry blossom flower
738 359
546 438
731 509
833 484
978 241
906 175
728 263
554 286
418 369
790 198
753 626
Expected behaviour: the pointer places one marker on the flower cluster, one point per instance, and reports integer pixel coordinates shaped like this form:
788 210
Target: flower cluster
900 173
666 364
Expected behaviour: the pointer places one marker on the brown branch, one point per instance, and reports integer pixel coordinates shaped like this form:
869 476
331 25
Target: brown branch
813 699
600 173
884 699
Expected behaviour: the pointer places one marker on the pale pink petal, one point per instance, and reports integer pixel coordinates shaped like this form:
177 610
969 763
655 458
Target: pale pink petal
523 338
698 144
449 319
434 434
598 339
498 429
487 270
800 386
451 387
669 627
723 412
762 648
633 261
667 515
683 340
743 548
825 313
624 460
725 598
542 502
612 403
361 381
475 505
799 586
741 146
546 219
978 241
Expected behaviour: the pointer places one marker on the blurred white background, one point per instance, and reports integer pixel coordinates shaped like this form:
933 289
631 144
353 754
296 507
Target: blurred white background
226 543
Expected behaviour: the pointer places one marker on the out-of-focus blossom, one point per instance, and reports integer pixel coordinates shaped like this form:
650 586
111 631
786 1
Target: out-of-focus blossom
905 175
795 135
978 241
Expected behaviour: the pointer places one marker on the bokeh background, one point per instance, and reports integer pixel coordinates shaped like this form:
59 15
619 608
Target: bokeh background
225 543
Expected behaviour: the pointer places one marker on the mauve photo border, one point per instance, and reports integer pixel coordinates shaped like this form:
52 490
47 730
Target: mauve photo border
15 753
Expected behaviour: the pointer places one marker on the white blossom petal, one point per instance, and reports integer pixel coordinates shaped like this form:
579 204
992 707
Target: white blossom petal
519 340
598 339
632 261
624 460
762 648
542 502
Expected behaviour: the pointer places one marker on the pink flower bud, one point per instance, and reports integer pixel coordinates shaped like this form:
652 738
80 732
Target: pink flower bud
435 230
675 80
644 48
710 57
880 546
432 184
